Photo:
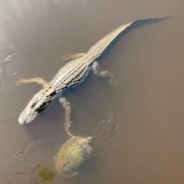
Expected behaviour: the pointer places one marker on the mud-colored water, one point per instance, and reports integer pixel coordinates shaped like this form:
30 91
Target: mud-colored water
137 125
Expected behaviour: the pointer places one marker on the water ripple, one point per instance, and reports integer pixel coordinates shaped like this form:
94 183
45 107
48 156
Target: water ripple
29 148
2 84
9 66
106 128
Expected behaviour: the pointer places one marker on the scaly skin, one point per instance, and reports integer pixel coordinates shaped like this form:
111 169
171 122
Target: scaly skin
72 74
72 155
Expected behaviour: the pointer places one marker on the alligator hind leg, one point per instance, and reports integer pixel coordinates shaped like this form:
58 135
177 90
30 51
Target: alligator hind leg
98 72
37 80
72 56
67 121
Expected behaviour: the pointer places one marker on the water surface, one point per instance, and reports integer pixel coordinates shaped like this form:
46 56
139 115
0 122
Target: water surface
138 124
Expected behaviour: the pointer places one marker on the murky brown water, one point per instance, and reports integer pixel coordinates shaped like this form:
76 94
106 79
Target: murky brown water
141 139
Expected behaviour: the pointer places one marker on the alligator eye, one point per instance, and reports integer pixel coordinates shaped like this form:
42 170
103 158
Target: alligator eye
33 105
42 107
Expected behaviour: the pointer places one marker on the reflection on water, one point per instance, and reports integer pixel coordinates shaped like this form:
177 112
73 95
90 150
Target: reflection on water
137 125
8 66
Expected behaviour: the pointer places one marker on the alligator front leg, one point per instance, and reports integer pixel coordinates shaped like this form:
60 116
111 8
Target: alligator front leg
72 56
105 73
67 121
37 80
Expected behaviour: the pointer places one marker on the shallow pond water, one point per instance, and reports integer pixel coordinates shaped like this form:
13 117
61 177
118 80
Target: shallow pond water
137 125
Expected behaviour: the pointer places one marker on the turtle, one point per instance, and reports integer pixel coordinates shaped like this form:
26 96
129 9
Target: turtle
74 152
72 155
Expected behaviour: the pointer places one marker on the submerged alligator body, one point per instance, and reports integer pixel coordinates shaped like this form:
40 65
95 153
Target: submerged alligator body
73 73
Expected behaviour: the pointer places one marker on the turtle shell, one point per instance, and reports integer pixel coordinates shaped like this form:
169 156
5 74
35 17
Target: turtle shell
72 155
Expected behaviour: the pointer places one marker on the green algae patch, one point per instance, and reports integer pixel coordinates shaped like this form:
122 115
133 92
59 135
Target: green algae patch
43 173
46 174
